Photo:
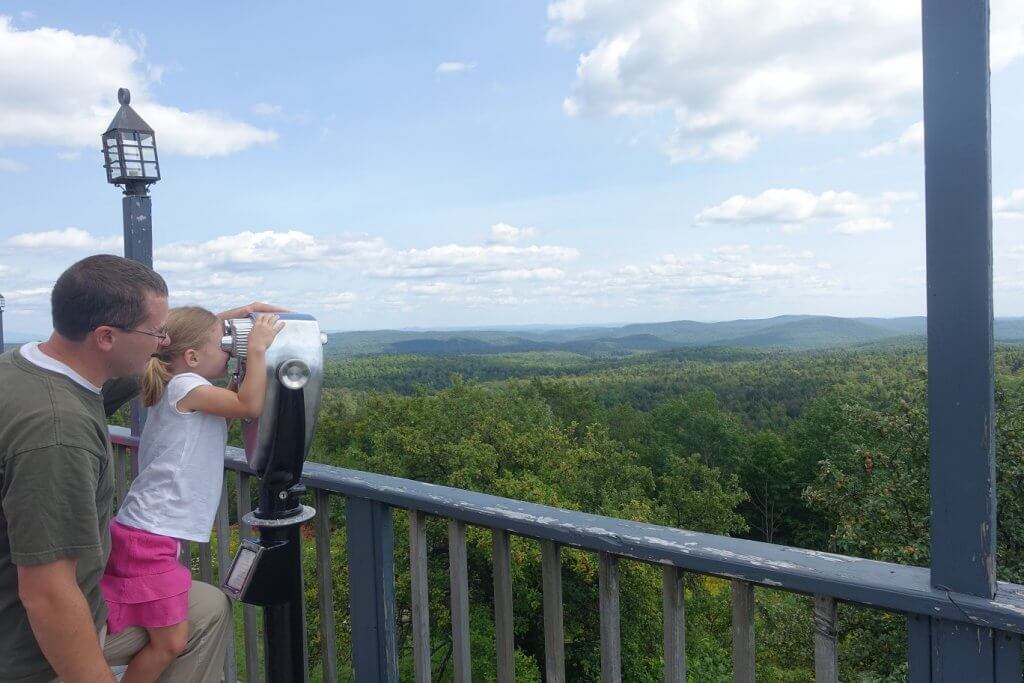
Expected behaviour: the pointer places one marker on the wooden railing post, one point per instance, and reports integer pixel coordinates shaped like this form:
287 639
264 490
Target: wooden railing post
674 608
459 583
371 573
742 632
504 634
826 658
419 575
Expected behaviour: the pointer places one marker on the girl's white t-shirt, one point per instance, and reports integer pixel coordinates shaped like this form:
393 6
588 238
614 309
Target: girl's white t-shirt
181 468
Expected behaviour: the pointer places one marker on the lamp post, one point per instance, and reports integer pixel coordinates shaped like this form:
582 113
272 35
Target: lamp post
129 157
3 305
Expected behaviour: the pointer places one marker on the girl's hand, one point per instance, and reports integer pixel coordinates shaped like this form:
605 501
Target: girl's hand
264 329
254 307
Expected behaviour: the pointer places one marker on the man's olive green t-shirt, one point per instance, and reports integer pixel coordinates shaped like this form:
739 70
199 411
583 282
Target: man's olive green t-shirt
56 497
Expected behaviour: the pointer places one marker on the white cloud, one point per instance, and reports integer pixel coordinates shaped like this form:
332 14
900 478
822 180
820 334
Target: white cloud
735 272
277 111
911 140
860 226
244 250
730 72
453 260
427 288
503 233
333 301
454 67
1010 208
264 109
28 296
11 166
60 89
68 238
850 213
519 275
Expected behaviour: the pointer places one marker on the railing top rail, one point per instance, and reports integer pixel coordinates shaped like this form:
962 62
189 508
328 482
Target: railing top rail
883 585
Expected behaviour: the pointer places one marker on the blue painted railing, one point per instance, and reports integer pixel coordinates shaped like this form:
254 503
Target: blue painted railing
371 498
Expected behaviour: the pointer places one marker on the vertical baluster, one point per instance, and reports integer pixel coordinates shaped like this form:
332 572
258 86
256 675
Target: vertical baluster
919 648
1008 662
611 645
420 596
252 655
742 632
133 462
371 560
120 483
503 630
186 554
674 614
325 585
826 660
223 564
460 600
554 633
205 563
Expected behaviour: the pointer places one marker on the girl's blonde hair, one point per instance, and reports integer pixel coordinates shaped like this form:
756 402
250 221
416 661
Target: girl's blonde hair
189 328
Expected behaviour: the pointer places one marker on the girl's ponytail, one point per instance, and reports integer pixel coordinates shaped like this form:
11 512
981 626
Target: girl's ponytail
154 381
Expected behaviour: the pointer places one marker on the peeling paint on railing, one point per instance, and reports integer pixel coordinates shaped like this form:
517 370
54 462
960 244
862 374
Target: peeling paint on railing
883 585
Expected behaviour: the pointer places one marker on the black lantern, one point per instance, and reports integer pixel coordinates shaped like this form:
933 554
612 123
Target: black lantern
129 147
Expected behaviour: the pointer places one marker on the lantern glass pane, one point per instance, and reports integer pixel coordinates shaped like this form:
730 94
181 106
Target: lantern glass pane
131 153
151 170
133 169
145 139
149 154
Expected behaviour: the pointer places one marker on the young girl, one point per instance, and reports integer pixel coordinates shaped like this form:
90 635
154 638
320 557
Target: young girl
177 491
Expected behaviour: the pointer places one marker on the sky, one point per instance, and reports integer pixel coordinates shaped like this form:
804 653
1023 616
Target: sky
486 163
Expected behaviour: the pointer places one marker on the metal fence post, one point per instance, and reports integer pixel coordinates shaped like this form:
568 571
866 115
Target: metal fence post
371 565
961 408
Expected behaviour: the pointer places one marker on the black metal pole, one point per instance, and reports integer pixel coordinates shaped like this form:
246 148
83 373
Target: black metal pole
137 207
137 210
284 647
284 624
1 330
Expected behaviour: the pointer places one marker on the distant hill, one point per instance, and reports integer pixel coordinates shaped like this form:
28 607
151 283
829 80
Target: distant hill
794 332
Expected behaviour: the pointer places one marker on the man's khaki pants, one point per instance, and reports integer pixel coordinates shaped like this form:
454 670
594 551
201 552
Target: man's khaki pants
209 619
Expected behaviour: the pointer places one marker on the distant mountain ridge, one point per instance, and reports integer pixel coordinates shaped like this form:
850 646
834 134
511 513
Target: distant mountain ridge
794 332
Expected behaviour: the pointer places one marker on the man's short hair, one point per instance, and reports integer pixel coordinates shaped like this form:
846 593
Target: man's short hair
102 290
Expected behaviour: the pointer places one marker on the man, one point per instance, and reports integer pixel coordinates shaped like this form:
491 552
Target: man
56 484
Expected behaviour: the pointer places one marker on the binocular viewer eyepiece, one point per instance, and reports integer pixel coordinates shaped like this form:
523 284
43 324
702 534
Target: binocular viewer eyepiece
278 441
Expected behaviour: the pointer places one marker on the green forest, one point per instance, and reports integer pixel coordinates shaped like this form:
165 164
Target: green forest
823 449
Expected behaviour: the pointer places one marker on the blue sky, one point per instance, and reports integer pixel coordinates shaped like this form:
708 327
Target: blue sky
496 163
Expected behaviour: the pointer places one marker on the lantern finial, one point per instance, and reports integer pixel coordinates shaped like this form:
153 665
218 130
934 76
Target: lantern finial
124 96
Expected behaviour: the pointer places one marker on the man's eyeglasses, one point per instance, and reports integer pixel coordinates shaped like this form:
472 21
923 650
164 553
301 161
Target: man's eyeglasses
161 335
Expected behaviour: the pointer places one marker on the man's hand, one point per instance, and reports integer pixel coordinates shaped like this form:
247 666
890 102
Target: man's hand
61 621
254 307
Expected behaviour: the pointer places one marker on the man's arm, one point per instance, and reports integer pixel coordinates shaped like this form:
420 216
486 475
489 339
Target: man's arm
61 621
117 392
